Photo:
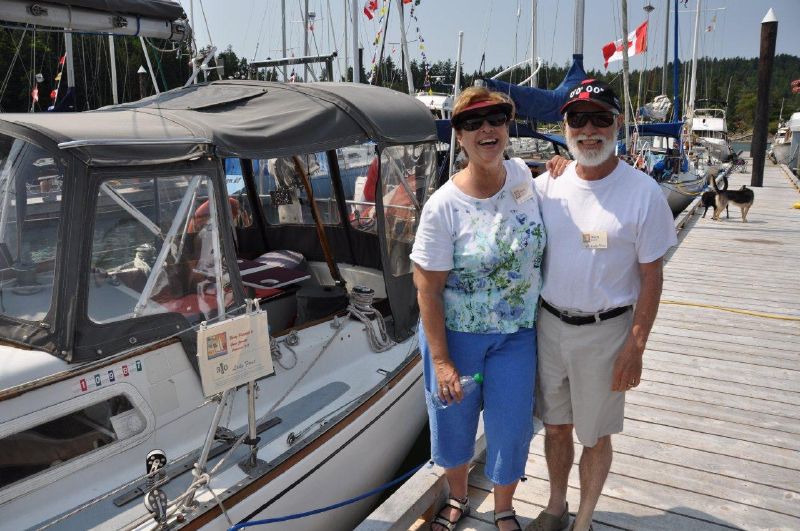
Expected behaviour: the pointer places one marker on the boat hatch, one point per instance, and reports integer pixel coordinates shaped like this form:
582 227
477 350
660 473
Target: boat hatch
193 99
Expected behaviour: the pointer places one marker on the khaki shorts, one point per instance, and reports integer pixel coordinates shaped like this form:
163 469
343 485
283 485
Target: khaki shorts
574 375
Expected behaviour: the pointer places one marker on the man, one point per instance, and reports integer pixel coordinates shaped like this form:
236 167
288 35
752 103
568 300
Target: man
608 227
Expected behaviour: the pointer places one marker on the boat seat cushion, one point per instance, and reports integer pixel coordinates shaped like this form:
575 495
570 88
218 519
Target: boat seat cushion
284 258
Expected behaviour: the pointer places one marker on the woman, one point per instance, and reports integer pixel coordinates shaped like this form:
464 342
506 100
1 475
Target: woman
477 257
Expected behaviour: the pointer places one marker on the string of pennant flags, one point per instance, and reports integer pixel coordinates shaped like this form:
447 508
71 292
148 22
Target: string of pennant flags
370 10
54 92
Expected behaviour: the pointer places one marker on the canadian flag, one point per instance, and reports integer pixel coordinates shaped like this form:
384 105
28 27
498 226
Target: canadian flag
637 43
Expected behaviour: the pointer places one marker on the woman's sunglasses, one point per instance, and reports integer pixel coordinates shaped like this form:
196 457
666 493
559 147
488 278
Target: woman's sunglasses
599 119
473 124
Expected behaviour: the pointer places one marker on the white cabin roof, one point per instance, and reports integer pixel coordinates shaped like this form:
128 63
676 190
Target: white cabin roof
436 102
706 123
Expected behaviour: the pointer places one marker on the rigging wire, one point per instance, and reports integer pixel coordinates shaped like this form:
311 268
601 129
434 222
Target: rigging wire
249 20
486 36
205 21
552 44
515 55
261 31
33 67
332 35
85 81
4 84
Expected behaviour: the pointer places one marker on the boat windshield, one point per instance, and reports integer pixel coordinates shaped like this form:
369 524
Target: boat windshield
30 209
154 247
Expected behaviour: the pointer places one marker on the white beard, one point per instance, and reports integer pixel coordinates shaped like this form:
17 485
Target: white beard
595 157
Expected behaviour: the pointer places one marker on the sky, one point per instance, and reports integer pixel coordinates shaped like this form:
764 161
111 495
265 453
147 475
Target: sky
500 30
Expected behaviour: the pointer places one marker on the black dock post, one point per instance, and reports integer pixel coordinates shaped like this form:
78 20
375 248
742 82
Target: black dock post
758 148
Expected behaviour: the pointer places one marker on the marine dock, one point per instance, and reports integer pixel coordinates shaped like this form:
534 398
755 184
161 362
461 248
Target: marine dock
712 434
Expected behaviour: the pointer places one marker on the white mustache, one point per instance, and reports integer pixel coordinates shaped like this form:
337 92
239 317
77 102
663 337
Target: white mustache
580 137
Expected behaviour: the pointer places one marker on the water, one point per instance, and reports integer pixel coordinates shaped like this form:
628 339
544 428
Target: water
741 146
420 453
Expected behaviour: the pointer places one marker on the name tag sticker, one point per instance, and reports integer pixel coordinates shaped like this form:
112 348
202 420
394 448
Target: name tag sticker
595 240
523 193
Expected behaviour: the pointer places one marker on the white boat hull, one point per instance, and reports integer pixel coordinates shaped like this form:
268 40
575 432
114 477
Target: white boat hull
352 423
782 153
718 148
680 195
366 454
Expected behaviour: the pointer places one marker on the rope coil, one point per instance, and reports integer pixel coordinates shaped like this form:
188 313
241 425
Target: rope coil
360 307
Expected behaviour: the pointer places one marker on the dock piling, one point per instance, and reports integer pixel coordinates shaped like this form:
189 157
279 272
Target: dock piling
769 33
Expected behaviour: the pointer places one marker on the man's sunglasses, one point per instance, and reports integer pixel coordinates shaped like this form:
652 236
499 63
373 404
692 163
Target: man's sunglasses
599 119
473 124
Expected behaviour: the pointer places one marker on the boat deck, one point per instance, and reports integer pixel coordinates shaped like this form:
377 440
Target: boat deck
712 435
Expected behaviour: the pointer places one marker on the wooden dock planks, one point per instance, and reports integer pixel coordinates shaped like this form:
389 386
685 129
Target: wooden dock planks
712 436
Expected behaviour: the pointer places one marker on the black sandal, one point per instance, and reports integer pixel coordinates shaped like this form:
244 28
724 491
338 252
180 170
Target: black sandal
507 515
454 503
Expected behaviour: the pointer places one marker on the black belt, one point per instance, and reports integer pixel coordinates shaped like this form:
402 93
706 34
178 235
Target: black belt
584 319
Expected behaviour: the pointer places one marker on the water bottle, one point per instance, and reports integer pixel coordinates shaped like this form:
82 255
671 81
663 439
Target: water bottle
469 384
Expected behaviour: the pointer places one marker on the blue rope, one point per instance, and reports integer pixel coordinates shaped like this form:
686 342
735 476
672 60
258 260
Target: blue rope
329 507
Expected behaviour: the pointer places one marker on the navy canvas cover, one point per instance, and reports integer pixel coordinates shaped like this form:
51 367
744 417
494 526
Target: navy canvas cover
537 104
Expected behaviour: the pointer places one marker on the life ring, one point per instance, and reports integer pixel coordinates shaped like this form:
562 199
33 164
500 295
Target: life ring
202 214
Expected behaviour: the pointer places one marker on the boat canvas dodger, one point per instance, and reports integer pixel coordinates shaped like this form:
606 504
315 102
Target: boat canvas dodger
121 237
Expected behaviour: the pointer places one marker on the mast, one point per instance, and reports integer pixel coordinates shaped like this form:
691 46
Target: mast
666 51
693 82
534 73
70 65
346 59
305 41
676 105
577 43
283 35
112 55
404 47
625 76
356 63
647 9
456 91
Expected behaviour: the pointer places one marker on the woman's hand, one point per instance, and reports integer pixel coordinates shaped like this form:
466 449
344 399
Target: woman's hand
447 378
557 165
430 285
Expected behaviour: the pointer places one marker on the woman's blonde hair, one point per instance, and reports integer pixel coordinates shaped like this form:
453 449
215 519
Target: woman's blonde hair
473 95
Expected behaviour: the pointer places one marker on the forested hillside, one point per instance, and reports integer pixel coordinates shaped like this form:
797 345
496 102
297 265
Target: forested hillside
28 55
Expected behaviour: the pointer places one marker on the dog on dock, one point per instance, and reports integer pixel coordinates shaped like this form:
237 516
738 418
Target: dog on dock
743 198
709 198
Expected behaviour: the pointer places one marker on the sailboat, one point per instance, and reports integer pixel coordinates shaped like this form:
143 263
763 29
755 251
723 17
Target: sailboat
122 404
710 129
666 151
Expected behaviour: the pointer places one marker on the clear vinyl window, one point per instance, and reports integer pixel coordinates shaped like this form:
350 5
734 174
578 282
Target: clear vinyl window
282 185
157 248
31 183
358 167
407 174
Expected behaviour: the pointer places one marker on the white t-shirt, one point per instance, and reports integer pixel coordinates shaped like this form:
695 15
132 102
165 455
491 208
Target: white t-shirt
626 209
493 250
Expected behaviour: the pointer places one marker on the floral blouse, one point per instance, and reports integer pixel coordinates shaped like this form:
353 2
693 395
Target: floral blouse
493 250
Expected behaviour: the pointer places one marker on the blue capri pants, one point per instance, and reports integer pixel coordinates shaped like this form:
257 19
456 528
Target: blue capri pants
508 365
